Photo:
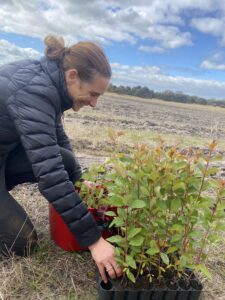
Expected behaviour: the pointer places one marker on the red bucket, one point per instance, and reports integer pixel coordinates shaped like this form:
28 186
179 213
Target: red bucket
63 237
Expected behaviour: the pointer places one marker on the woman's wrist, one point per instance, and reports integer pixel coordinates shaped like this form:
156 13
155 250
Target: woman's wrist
91 247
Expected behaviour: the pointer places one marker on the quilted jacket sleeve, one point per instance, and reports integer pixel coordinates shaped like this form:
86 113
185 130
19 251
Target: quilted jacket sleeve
62 138
34 116
64 142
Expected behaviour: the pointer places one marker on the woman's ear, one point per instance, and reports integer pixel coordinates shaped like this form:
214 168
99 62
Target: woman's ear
71 76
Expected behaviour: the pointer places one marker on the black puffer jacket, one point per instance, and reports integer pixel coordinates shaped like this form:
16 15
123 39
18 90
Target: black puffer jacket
33 96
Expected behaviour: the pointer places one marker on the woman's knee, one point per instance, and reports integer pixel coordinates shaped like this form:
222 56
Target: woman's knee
16 244
17 232
18 168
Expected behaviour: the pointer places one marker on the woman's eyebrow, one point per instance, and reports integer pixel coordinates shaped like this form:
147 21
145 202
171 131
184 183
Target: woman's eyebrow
95 93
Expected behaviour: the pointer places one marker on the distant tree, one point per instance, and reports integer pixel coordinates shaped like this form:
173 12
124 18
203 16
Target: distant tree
202 101
167 95
142 92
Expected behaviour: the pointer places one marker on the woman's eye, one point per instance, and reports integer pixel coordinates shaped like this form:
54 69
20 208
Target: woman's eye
94 95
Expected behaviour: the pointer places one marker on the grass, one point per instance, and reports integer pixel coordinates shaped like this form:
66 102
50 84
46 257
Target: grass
52 273
95 140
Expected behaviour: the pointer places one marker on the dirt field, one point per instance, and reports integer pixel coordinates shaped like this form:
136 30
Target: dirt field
158 116
54 274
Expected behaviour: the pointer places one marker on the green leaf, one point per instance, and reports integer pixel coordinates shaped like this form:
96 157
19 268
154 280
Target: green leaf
153 176
204 270
161 222
157 191
131 174
144 191
171 250
183 260
115 239
137 241
176 238
138 204
153 244
165 258
116 200
204 202
122 211
177 227
118 221
133 232
130 276
175 204
131 262
152 251
140 175
110 213
162 205
201 165
121 170
179 186
180 165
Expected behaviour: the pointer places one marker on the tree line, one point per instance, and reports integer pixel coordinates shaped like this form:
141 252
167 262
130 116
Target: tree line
168 95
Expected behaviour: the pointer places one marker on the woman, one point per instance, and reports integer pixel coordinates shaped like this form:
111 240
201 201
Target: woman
34 146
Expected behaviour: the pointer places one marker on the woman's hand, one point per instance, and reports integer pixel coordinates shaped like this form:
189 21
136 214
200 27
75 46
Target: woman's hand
89 184
104 256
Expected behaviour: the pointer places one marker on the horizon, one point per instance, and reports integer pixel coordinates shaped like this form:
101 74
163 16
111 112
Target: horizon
178 46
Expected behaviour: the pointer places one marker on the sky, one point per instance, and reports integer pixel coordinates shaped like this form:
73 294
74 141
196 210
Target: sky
176 45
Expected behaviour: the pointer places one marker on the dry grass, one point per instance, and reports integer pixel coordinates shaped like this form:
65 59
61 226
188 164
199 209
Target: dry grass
52 273
95 140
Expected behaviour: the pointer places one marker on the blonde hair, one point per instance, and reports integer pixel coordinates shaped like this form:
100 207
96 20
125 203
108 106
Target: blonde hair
86 57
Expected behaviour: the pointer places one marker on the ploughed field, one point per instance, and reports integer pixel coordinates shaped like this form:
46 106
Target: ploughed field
127 112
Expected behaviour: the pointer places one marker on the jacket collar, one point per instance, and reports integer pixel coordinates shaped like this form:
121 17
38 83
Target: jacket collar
52 68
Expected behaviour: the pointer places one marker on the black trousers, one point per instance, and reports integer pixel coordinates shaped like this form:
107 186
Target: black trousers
17 233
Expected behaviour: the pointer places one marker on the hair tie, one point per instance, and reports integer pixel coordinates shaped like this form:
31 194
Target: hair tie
64 51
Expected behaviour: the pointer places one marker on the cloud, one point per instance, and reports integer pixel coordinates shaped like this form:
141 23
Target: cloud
155 28
153 49
216 62
209 65
106 21
155 79
10 52
211 26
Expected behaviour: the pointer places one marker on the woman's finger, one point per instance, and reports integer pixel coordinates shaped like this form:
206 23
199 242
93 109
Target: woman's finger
102 272
117 270
111 271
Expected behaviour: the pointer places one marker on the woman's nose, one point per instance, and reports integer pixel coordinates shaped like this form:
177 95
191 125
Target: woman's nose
93 102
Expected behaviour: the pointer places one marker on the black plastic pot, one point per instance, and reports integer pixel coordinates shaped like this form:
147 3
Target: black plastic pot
175 292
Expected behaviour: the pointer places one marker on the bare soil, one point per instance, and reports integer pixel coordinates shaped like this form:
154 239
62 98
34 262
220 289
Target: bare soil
135 113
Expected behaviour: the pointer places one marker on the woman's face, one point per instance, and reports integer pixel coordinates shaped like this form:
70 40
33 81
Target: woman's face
85 93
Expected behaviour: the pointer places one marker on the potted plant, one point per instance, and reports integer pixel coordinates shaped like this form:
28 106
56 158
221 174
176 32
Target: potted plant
170 210
92 190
